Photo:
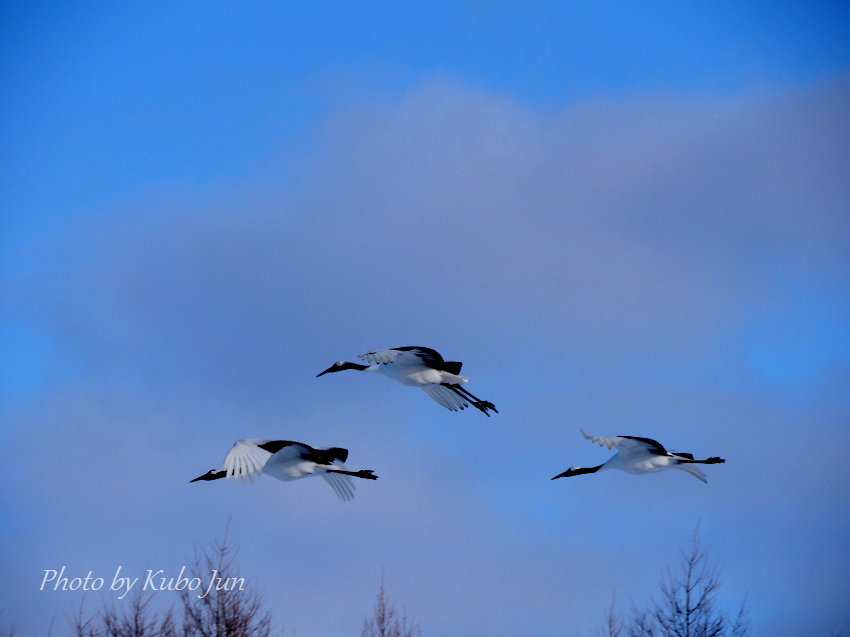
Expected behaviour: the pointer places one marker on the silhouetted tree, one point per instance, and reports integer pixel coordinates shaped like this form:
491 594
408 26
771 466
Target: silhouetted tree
687 605
227 610
139 620
613 621
385 621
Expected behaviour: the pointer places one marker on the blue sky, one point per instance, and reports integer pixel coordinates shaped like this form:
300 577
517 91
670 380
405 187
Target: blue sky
629 219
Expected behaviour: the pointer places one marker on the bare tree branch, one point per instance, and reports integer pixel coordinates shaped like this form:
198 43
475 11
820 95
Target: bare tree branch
136 621
385 621
613 621
687 606
224 608
228 609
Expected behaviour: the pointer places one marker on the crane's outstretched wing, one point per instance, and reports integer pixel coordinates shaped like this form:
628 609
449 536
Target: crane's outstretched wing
246 459
446 397
411 355
627 442
273 446
342 484
694 470
425 354
603 441
304 451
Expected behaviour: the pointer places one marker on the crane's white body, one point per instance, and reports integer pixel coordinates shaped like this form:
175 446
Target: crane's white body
637 460
408 368
246 459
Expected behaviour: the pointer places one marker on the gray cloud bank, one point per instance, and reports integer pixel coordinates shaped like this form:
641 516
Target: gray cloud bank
674 267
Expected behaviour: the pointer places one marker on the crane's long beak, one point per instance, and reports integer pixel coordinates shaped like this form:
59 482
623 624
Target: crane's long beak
212 474
562 475
329 369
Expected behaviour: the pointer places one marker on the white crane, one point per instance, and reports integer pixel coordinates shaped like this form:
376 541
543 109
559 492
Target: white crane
288 460
641 455
420 367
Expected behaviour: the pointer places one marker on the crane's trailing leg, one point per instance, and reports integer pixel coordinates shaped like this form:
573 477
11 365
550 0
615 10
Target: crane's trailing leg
688 458
482 405
368 474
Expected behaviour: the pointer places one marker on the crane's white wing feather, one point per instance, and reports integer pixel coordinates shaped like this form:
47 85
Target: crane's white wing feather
694 470
606 441
245 459
390 356
445 396
342 485
627 443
